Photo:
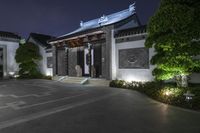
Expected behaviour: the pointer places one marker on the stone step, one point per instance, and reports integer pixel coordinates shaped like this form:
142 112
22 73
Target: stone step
98 82
82 80
59 78
75 80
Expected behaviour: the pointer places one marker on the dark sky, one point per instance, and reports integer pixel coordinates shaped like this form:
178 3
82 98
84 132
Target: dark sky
57 17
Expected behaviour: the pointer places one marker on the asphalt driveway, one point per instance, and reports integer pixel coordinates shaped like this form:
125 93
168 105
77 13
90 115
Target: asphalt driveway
41 106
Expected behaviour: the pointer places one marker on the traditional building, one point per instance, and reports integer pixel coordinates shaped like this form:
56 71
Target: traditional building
110 47
9 43
45 65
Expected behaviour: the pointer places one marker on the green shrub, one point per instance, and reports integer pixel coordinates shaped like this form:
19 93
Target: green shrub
118 83
164 92
28 56
36 75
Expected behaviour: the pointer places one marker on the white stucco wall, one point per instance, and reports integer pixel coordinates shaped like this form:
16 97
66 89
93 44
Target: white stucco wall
133 74
140 74
113 53
194 78
42 65
10 65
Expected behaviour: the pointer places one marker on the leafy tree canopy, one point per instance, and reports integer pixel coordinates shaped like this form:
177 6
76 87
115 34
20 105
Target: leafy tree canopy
27 55
174 32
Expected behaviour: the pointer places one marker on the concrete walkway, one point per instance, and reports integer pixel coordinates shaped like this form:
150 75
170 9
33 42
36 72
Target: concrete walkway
40 106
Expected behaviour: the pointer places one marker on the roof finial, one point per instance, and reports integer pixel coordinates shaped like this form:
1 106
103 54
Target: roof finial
132 7
81 23
104 18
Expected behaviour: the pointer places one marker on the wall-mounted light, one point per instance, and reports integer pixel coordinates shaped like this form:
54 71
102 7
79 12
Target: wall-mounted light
16 76
11 73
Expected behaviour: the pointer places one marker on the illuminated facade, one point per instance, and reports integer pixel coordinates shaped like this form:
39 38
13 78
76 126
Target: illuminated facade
110 47
9 42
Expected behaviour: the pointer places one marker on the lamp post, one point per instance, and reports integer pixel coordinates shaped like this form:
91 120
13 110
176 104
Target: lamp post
188 96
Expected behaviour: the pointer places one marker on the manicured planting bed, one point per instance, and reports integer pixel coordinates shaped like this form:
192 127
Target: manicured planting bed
165 92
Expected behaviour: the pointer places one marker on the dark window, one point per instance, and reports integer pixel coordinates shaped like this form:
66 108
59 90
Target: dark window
49 62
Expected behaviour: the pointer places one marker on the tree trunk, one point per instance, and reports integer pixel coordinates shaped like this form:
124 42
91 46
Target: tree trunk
182 81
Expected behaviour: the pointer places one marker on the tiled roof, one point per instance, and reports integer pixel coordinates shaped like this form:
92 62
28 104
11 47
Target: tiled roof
101 22
42 39
131 31
5 34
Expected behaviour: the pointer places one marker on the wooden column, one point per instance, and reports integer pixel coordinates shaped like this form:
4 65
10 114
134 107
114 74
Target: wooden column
108 52
54 51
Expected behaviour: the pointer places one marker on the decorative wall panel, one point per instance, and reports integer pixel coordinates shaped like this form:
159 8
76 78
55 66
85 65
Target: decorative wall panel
135 58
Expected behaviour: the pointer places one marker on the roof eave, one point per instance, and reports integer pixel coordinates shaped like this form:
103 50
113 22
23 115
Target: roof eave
9 39
89 30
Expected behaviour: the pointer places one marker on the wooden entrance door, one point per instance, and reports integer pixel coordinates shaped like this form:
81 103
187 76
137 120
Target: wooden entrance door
97 60
61 62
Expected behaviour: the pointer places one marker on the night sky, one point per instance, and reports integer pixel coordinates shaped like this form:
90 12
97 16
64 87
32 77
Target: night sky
58 17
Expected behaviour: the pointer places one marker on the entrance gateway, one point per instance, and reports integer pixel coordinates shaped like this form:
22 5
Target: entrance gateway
92 48
88 57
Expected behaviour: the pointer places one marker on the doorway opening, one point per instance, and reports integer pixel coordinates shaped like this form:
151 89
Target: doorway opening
92 61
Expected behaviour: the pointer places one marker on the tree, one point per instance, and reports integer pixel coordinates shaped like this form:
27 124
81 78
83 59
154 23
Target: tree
174 32
27 55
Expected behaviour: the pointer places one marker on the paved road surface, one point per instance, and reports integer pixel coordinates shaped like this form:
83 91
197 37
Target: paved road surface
40 106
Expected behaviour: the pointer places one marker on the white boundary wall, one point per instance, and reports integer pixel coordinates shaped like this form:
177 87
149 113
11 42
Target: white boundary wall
140 74
133 74
9 51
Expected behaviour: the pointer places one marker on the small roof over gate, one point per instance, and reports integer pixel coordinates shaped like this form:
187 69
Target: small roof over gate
105 20
131 31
